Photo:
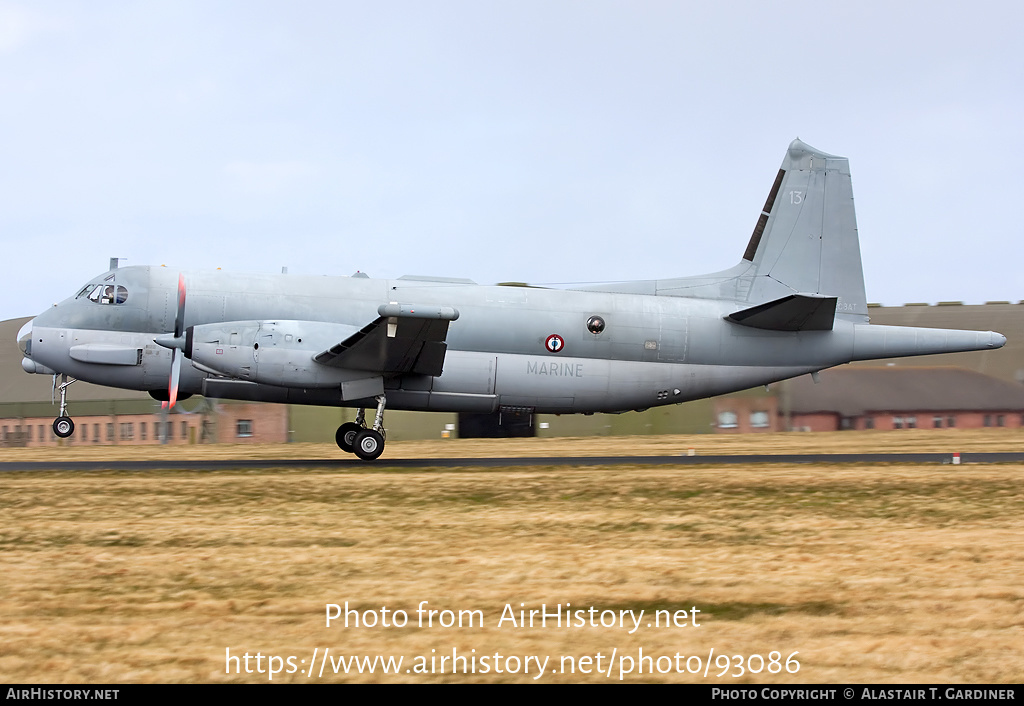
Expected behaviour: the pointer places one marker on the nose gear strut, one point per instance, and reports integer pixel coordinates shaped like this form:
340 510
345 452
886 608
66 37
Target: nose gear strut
62 425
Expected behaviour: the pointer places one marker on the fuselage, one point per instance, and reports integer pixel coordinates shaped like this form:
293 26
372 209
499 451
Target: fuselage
510 347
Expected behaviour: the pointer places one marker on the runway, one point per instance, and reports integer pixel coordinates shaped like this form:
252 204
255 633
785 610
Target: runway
560 461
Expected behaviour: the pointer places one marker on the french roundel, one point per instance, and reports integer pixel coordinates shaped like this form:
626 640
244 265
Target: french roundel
554 343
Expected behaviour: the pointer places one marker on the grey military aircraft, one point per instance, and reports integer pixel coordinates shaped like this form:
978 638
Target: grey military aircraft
795 304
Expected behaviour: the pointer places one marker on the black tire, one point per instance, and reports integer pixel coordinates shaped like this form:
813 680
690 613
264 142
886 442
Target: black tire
345 437
63 427
369 444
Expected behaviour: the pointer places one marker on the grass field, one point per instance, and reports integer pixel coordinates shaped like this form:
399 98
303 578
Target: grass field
879 573
907 440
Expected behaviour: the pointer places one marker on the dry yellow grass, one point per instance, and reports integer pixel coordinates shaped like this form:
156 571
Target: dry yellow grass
872 573
907 440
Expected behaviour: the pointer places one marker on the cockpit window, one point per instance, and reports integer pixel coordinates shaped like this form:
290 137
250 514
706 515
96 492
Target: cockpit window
104 293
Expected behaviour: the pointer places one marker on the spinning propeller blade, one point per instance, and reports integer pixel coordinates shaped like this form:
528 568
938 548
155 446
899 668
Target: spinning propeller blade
176 351
179 318
172 389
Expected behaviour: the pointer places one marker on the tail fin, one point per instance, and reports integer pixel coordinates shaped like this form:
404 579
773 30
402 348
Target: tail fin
804 250
805 240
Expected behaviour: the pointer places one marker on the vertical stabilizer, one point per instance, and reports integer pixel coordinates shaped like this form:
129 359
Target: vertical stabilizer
804 245
805 240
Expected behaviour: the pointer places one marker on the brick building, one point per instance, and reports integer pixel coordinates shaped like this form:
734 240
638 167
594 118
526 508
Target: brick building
127 422
877 398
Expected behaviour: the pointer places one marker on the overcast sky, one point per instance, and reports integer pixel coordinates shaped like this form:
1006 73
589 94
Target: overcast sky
548 142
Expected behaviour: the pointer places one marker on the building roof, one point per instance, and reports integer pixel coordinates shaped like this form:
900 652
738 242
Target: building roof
1006 363
854 391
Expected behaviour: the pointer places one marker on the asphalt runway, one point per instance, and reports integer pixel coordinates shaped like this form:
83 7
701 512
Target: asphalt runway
383 464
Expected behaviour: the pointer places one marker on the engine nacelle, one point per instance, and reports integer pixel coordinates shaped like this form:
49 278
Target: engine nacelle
271 352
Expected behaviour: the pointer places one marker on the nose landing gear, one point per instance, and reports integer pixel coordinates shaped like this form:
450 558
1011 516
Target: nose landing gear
62 425
355 437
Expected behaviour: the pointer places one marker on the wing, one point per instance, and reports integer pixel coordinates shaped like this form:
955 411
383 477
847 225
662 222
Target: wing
404 339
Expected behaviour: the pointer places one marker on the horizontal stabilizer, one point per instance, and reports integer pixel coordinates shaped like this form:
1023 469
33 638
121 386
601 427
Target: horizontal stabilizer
796 312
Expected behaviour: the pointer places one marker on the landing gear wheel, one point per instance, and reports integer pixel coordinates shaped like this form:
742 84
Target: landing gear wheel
64 427
369 444
346 436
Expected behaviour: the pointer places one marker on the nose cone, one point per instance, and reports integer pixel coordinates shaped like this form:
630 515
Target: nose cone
25 338
996 340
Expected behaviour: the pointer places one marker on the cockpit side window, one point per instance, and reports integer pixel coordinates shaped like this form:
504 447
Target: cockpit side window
105 293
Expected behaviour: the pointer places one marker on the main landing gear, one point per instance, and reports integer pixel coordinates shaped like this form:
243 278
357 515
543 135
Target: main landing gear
354 437
62 425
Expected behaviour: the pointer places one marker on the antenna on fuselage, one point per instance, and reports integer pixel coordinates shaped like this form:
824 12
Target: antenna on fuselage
114 261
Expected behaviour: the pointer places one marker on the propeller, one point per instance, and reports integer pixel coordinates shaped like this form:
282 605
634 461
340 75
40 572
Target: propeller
176 343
